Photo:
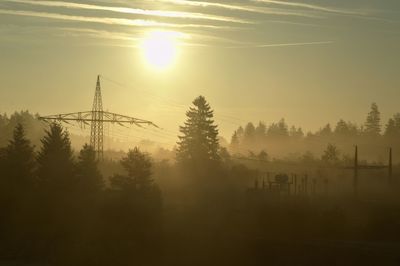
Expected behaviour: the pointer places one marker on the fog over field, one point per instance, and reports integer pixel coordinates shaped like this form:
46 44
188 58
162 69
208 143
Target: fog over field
179 132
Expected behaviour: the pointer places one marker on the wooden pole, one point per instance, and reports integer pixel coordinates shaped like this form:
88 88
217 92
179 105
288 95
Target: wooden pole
390 172
305 183
355 177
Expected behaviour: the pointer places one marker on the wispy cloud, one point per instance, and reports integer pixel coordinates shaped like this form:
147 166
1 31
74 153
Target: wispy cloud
281 44
311 6
135 11
99 34
252 9
106 20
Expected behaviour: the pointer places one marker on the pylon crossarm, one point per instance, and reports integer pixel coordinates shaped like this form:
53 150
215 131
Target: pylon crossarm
86 117
117 118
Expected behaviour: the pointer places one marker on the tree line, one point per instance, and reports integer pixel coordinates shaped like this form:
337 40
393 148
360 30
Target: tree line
53 203
58 208
277 136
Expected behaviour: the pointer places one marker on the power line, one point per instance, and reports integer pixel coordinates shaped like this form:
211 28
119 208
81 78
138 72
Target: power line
96 119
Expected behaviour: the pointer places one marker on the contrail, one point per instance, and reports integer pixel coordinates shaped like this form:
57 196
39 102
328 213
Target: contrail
127 10
252 9
106 20
310 6
280 44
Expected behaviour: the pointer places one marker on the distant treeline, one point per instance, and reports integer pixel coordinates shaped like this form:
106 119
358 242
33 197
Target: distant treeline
33 127
279 140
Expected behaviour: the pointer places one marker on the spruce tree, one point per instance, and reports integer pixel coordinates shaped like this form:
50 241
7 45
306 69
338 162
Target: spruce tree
199 140
55 160
392 129
249 133
372 125
138 165
261 131
331 154
234 145
90 178
19 161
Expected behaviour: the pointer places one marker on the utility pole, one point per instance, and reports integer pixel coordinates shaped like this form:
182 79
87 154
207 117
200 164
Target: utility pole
96 118
390 172
355 177
356 167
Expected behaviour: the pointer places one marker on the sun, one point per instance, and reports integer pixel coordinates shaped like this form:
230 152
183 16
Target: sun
159 49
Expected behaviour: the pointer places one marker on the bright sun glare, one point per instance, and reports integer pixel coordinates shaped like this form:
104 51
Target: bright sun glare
159 49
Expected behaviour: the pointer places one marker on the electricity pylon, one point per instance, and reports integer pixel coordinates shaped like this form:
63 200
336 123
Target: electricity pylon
96 129
97 117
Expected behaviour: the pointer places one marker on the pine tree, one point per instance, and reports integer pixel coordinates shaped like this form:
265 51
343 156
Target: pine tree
261 131
326 131
249 133
331 154
199 140
283 128
296 132
392 129
341 128
278 130
372 125
90 178
55 160
19 161
138 165
240 133
234 141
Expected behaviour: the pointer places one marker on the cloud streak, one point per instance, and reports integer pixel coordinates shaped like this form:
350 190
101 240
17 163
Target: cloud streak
252 9
310 6
281 45
106 20
135 11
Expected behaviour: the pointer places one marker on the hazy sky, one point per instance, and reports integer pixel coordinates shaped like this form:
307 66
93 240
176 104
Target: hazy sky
311 62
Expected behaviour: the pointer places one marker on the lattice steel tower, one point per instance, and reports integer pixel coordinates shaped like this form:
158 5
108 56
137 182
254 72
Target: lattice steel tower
96 129
96 118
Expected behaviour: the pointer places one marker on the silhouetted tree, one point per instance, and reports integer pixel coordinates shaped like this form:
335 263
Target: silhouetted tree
342 129
372 124
331 154
296 132
279 129
325 131
32 127
346 129
261 131
199 140
392 129
240 133
90 178
224 154
249 133
234 141
19 162
55 160
138 165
